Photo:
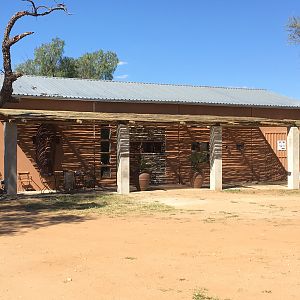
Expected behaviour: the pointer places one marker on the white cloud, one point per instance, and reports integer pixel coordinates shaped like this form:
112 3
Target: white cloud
122 76
122 63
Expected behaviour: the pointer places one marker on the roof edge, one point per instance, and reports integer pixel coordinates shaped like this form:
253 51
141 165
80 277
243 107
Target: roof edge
138 101
148 83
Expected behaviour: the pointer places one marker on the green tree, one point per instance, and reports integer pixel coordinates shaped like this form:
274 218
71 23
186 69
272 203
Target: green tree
49 60
67 68
294 30
97 65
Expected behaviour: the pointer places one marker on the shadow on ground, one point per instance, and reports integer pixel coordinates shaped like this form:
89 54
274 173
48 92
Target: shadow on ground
27 213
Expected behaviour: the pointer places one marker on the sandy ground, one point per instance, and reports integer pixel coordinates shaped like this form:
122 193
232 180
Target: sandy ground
241 245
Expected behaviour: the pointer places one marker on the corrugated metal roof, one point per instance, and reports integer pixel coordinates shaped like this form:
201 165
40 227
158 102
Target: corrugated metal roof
101 90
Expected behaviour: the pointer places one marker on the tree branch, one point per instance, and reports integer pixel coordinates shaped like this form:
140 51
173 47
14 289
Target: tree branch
18 37
31 2
10 76
43 10
294 29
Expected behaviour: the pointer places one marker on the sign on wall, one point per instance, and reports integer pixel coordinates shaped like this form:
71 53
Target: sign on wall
281 145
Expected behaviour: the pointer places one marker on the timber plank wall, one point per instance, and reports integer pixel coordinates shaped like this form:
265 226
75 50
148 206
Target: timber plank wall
80 145
256 162
79 149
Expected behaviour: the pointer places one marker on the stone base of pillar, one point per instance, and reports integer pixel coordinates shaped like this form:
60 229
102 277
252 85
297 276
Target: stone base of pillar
123 169
216 158
10 158
293 157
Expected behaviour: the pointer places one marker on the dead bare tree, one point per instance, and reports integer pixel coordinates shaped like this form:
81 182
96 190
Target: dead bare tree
9 76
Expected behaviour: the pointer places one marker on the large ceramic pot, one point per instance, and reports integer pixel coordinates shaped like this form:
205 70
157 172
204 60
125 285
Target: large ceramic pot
144 181
197 180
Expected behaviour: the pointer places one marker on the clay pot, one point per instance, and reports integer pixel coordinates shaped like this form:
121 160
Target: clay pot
144 181
197 180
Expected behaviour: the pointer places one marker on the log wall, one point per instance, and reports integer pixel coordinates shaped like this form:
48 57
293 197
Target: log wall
79 149
256 161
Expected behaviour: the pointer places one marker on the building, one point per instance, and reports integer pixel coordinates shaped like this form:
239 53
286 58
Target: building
99 129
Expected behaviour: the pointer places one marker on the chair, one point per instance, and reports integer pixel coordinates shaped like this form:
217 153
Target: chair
25 181
48 182
59 180
2 187
79 180
69 181
89 180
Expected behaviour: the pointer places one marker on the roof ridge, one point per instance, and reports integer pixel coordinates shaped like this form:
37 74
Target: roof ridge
150 83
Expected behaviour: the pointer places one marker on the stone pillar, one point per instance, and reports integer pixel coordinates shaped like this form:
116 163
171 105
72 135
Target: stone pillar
216 158
123 171
293 157
10 158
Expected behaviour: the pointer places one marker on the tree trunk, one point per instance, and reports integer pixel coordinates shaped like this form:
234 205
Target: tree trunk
9 76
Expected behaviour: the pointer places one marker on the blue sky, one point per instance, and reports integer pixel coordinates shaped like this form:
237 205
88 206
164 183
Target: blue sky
200 42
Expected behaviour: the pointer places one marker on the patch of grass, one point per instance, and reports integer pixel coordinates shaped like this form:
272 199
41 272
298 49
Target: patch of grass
267 291
270 191
210 220
130 258
202 295
232 191
108 204
232 216
225 212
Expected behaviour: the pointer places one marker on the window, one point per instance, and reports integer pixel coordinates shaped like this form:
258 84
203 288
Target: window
105 133
105 172
147 147
152 147
105 144
105 158
202 148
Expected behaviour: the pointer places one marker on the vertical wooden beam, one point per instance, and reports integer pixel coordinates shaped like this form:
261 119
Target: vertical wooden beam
216 158
293 157
10 158
123 169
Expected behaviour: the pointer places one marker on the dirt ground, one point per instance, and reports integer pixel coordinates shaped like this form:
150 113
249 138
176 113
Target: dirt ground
236 244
